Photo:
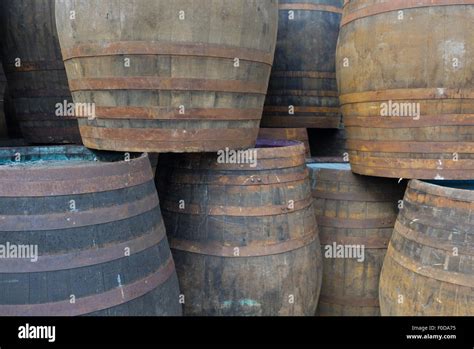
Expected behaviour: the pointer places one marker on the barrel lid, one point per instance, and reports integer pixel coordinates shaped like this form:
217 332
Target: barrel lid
67 170
330 166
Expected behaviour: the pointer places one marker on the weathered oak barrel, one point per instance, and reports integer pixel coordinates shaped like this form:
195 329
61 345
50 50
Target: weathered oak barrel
289 134
244 238
169 76
429 266
355 214
405 73
302 90
88 235
35 71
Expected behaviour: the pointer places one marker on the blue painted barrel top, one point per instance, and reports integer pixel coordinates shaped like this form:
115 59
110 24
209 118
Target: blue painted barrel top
330 166
455 184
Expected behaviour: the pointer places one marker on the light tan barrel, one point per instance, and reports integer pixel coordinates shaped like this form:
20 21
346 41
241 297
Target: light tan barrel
169 76
405 73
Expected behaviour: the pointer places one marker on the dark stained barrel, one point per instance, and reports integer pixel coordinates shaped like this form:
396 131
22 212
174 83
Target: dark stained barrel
289 134
359 212
406 87
169 76
244 238
429 267
3 123
96 224
302 90
35 71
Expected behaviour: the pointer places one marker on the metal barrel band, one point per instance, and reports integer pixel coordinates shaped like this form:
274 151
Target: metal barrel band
259 249
206 50
366 223
439 274
83 258
271 120
397 5
431 165
166 113
250 180
162 134
303 74
167 84
171 145
35 66
398 146
304 6
395 172
303 93
237 211
378 121
361 196
68 220
407 94
300 109
350 301
93 303
373 242
425 240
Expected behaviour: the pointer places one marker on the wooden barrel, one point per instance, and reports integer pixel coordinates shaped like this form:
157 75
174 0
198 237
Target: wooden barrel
406 87
91 232
289 134
3 123
35 71
355 216
169 76
302 90
429 267
244 238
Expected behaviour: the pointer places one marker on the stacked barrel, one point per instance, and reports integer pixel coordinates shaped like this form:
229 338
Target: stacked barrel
155 157
406 94
302 93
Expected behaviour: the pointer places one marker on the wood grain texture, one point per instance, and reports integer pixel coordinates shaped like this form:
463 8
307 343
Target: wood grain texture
352 209
28 32
408 52
103 245
174 63
278 258
303 75
428 270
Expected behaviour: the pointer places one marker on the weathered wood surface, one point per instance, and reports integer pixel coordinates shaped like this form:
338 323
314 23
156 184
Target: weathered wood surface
38 81
240 246
352 210
100 237
406 52
303 75
429 267
197 76
289 134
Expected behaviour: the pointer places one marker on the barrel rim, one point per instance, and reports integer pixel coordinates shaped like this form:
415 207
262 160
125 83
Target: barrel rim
438 190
